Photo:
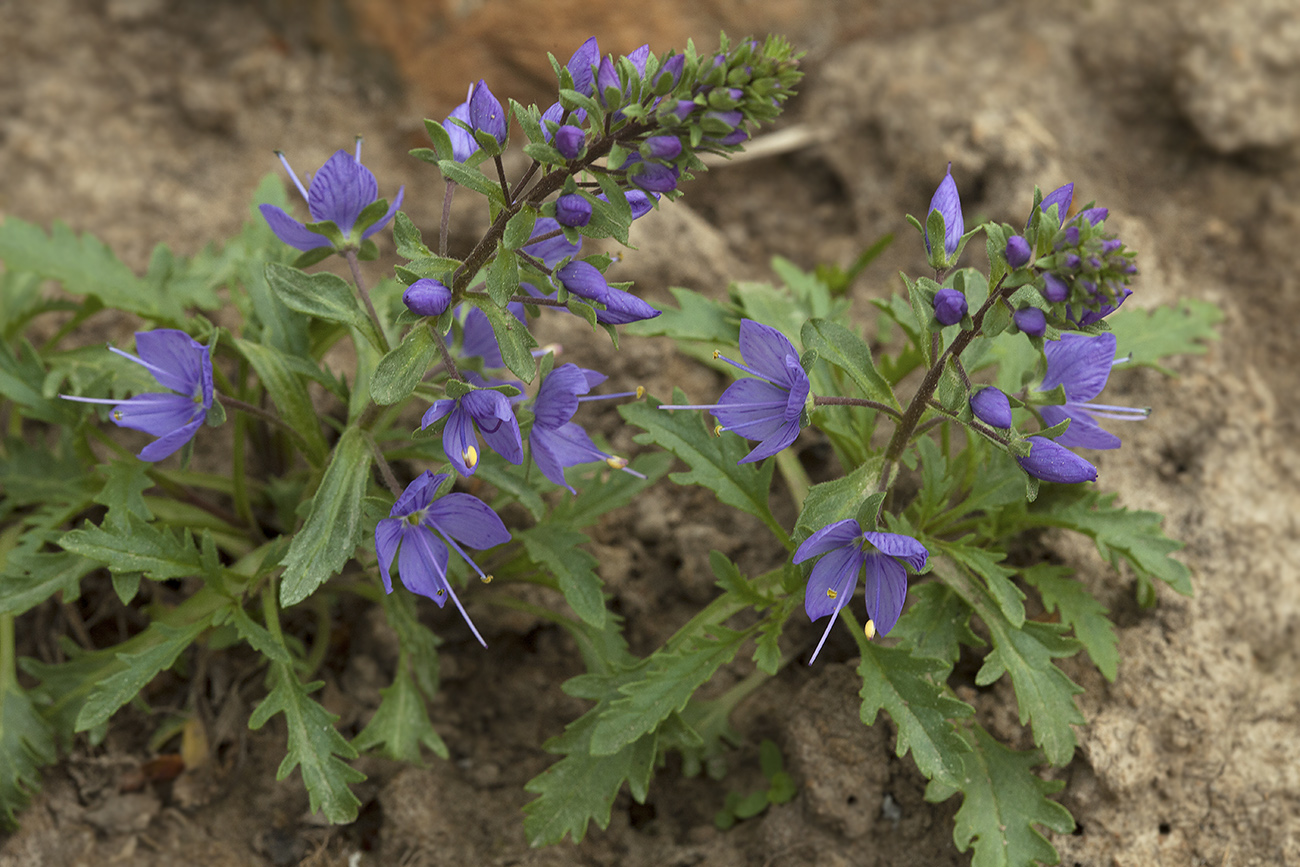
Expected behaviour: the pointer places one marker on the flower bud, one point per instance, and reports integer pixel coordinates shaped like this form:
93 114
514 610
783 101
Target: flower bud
1055 290
606 77
569 141
1031 321
669 74
427 297
1017 251
947 202
661 147
992 407
1060 197
573 210
486 114
463 145
1052 462
584 280
581 66
949 306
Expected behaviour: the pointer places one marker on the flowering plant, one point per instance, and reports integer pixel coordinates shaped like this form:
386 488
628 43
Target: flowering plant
323 478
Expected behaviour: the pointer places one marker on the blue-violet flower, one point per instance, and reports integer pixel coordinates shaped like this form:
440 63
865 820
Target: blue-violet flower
491 412
555 441
419 530
427 297
949 306
1031 321
1082 365
948 203
178 362
848 550
572 210
991 406
1055 463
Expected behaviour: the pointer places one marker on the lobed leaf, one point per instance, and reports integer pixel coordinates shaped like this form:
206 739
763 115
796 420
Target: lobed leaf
559 550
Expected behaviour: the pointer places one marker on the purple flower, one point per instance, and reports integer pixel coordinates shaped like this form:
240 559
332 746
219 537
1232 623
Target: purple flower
1055 463
1055 289
463 145
418 532
553 250
669 73
485 112
340 191
1082 365
731 120
490 411
948 204
1017 251
555 442
768 408
949 306
180 363
427 297
639 58
651 177
573 210
662 147
478 340
1031 321
606 77
570 141
1061 198
848 550
991 406
581 66
1104 307
585 280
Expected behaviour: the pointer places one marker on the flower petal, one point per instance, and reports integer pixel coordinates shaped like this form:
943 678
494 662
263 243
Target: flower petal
392 209
1055 463
388 533
557 398
902 547
835 573
170 442
1083 433
1081 364
156 413
765 350
777 441
541 444
457 440
886 589
418 494
175 359
496 422
341 190
422 564
468 520
828 538
290 231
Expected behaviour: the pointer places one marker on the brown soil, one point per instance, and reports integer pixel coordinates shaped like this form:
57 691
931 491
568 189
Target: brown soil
150 121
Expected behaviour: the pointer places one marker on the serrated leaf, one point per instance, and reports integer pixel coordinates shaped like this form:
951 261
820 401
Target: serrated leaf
323 296
332 530
26 745
1002 801
607 491
401 725
401 370
662 685
936 624
21 380
137 546
122 493
1135 536
1150 336
258 636
997 578
695 318
314 745
838 499
142 666
580 788
559 550
289 393
1079 610
29 576
714 461
910 688
849 352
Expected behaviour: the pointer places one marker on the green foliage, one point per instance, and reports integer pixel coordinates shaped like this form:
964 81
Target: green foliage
26 745
401 725
781 790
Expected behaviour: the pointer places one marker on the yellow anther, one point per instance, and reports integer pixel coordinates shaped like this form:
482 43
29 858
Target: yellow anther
870 629
471 457
716 355
117 415
440 593
616 462
830 593
487 579
717 430
640 392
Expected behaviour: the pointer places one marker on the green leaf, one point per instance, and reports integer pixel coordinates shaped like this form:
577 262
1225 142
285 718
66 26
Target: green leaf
258 636
323 296
314 745
558 549
401 370
512 336
137 546
473 179
122 493
838 499
1079 610
936 624
1151 336
503 277
1135 536
581 787
164 644
695 318
911 689
333 526
997 578
714 461
606 491
662 685
1002 801
29 576
26 745
769 759
401 725
841 347
287 389
22 378
518 229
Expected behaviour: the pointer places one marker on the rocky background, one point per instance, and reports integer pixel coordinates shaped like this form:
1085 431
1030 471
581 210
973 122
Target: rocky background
151 121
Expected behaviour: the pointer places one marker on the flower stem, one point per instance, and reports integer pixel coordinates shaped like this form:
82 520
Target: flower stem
818 400
445 227
271 417
365 298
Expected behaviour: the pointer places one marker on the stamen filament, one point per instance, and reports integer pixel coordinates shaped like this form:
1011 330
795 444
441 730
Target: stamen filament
297 183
